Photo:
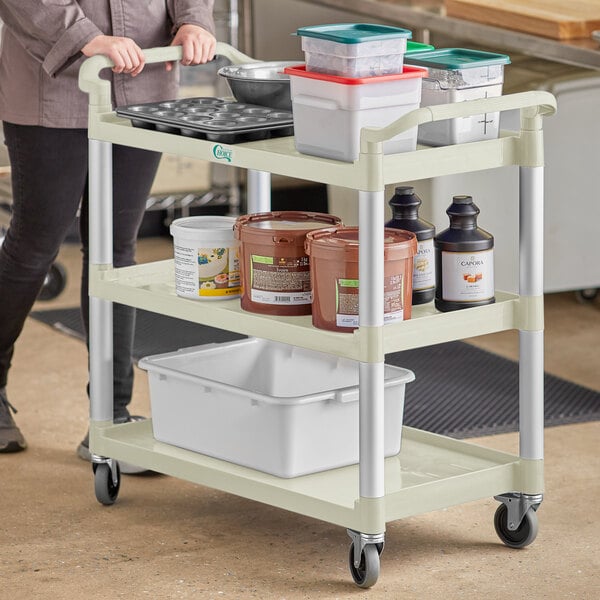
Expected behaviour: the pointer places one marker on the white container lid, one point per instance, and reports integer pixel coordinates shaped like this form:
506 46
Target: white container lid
204 229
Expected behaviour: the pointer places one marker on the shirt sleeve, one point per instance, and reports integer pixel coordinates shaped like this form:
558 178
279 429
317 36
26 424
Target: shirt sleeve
52 31
192 12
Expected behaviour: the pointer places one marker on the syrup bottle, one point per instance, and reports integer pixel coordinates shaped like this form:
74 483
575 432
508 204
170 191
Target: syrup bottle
405 209
464 259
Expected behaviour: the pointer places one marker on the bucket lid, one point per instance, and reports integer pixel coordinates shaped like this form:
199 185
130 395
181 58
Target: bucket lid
398 243
283 222
353 33
455 59
408 72
202 226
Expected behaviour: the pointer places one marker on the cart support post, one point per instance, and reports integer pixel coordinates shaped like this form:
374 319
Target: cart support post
259 192
531 343
101 252
371 376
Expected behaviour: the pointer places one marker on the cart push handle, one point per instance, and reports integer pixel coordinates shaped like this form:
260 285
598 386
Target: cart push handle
533 106
99 89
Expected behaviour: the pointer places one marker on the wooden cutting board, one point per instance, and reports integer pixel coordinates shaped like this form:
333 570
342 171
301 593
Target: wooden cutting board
558 19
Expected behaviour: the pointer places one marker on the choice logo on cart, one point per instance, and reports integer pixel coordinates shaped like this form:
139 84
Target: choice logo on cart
221 153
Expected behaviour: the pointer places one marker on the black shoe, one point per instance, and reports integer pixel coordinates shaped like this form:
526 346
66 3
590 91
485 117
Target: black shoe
11 439
83 451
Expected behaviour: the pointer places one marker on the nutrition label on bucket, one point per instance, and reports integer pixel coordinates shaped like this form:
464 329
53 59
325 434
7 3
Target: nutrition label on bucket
280 280
207 272
347 301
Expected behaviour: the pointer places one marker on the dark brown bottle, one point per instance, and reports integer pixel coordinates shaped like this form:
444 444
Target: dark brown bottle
464 259
405 210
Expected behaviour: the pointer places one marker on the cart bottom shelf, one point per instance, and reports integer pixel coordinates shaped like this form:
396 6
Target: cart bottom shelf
430 472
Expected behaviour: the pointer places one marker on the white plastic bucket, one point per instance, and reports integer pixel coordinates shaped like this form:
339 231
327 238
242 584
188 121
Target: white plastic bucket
207 263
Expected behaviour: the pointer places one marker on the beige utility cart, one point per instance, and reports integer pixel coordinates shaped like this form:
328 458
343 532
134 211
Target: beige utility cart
432 471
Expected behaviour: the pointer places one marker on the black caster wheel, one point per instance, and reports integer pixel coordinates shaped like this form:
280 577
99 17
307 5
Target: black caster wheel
586 296
520 537
367 573
54 283
105 487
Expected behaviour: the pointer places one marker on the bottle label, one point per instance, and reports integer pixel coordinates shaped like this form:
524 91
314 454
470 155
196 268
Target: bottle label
424 266
468 276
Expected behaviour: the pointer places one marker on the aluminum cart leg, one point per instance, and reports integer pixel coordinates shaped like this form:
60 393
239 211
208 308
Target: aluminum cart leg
516 520
367 546
106 470
259 192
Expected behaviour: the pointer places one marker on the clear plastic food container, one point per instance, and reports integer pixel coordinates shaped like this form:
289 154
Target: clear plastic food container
457 75
458 68
354 49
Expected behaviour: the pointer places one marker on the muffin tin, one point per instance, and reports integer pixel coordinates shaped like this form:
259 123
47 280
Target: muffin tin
213 119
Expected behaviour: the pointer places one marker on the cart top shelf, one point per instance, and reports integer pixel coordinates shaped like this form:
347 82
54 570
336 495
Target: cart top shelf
371 172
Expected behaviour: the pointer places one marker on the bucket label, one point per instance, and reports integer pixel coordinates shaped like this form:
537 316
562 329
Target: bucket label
424 266
207 272
280 280
468 276
346 300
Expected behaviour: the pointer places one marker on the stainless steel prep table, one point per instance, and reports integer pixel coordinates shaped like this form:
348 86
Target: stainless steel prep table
429 15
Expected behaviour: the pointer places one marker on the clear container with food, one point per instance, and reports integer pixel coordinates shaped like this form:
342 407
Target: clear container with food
354 49
456 75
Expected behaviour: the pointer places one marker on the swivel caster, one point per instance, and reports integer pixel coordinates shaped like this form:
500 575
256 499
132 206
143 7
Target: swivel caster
365 564
107 481
515 520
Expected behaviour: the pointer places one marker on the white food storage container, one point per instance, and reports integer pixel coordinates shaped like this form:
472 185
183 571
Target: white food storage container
456 75
269 406
329 111
354 49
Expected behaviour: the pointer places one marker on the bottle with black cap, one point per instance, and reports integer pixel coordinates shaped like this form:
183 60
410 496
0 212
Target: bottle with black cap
464 259
405 210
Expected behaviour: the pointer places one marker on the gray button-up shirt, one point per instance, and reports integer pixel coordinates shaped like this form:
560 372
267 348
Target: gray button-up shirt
41 53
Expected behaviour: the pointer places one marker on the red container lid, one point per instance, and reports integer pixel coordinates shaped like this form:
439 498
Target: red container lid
408 72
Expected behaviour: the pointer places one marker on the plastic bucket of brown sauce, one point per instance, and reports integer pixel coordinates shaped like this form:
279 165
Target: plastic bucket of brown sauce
334 275
274 267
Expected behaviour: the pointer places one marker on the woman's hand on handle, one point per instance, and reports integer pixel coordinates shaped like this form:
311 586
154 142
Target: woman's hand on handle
124 52
198 45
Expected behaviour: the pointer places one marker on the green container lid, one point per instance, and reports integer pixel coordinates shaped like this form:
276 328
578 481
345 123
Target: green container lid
353 33
455 59
412 47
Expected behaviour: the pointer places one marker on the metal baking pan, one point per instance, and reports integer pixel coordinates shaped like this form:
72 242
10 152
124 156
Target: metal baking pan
213 119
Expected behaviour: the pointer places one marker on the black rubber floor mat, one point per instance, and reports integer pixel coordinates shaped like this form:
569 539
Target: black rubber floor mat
154 334
460 390
463 391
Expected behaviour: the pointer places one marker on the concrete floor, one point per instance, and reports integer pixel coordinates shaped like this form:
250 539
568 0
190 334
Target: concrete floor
166 538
